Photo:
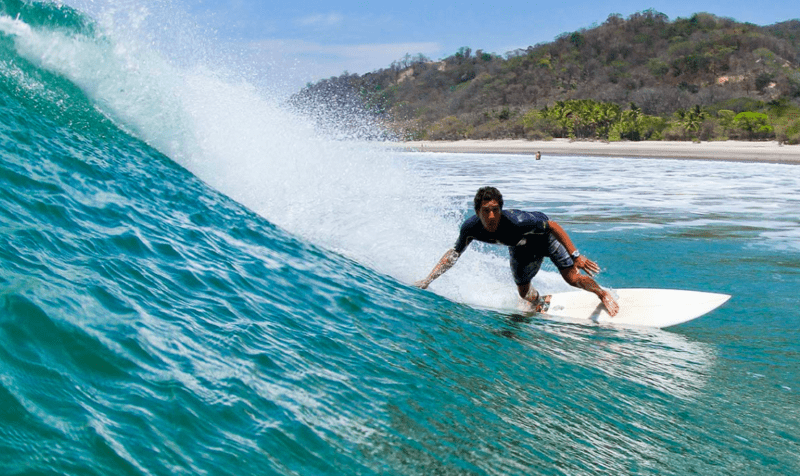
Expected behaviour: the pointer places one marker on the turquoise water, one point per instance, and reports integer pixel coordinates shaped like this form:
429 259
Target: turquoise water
193 282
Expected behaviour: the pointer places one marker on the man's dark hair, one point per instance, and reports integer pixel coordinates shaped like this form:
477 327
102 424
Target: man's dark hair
487 194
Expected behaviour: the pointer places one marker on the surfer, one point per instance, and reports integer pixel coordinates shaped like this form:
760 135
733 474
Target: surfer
530 236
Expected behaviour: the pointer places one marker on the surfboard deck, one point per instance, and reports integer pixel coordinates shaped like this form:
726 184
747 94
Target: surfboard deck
637 307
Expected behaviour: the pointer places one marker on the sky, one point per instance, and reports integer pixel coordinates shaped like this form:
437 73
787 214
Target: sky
307 40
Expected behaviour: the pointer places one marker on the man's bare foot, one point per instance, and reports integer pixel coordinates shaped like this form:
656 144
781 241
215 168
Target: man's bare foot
611 305
539 303
543 304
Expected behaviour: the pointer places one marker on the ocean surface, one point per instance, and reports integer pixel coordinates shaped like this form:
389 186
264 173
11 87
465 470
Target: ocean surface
193 281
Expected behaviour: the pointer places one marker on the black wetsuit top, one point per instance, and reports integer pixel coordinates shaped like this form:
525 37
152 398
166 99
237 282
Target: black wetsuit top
515 226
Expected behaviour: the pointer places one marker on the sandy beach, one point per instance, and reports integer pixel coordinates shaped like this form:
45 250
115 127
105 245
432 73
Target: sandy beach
723 150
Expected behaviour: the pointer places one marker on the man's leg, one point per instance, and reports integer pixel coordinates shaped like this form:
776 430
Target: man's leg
524 266
573 277
530 294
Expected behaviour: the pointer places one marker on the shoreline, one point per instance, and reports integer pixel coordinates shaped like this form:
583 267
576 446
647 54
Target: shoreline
737 151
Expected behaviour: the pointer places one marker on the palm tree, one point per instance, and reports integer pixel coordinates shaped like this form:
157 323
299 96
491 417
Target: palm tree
692 119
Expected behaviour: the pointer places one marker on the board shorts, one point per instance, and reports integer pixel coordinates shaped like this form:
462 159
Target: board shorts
527 259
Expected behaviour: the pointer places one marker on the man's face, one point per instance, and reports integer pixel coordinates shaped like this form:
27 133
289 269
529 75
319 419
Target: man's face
489 214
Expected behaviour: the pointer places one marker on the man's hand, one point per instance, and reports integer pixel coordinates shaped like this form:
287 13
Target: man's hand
448 260
588 266
610 303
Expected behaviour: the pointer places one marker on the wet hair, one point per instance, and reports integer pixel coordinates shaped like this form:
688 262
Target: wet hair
487 194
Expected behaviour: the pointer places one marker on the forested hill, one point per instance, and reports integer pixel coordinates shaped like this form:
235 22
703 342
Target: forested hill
659 68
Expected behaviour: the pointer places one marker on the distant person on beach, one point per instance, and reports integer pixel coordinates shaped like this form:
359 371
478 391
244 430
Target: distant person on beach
538 155
530 236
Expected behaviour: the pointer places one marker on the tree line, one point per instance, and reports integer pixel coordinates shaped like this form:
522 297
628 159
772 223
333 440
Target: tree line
595 120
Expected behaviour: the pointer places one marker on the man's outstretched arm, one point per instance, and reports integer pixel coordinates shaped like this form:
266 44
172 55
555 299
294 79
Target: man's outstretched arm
447 262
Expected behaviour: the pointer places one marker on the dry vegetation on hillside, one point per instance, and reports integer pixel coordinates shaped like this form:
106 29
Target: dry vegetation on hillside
636 78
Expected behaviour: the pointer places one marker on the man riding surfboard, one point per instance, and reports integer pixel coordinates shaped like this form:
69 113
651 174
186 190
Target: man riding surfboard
530 236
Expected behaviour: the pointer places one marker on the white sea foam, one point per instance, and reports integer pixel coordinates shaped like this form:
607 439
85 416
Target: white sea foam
640 193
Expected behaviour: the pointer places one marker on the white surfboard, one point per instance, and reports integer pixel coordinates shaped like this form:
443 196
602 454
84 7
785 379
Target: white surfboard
637 307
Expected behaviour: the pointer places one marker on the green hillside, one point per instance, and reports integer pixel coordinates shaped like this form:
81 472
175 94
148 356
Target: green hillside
636 78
